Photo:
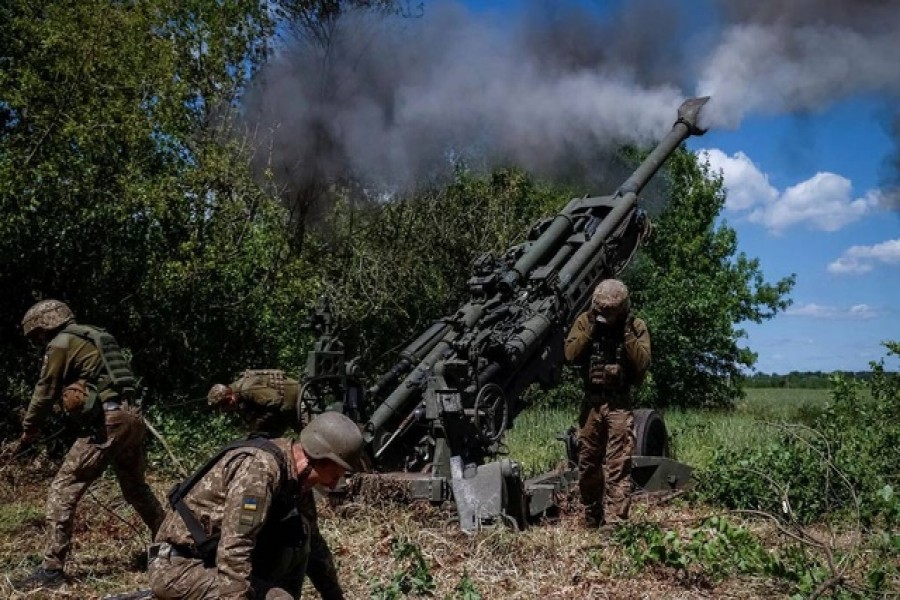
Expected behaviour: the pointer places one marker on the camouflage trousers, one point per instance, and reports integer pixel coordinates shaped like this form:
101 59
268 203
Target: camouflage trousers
179 578
605 446
119 443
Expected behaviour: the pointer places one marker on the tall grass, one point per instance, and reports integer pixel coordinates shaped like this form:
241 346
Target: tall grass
694 434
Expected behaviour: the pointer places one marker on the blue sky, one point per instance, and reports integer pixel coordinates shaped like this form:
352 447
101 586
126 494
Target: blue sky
845 302
805 172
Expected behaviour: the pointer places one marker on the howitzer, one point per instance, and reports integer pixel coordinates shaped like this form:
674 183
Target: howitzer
443 408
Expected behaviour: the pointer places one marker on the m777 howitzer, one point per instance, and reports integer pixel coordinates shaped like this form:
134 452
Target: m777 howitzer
443 408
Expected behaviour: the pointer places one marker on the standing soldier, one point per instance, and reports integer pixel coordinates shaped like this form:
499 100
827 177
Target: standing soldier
239 528
265 399
85 369
612 349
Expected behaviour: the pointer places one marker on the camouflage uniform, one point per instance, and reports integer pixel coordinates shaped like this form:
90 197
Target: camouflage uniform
242 499
267 401
612 360
112 432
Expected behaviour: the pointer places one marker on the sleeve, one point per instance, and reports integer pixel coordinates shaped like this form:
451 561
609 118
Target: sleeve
579 338
320 568
637 348
48 387
251 484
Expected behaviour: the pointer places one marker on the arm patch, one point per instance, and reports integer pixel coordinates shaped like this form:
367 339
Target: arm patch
250 514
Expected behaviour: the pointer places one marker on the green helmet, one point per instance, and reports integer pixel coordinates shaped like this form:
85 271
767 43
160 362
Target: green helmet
336 437
217 394
610 300
46 315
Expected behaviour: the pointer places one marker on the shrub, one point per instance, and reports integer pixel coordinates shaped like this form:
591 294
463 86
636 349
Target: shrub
842 464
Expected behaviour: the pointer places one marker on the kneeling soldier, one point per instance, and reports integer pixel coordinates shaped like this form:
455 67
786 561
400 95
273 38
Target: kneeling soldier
240 526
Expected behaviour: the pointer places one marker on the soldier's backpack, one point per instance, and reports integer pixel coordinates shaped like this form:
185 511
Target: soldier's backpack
118 374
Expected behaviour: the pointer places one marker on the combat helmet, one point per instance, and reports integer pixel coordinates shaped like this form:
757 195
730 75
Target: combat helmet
334 436
610 300
217 394
46 315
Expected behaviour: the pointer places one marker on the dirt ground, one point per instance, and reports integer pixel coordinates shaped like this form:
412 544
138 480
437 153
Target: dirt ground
555 559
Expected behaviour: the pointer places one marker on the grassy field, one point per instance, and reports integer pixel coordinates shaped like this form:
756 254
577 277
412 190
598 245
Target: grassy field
671 549
695 434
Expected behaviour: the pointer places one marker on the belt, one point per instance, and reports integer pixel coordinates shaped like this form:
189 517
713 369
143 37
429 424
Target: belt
166 551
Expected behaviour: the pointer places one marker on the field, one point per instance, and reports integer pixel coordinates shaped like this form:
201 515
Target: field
674 547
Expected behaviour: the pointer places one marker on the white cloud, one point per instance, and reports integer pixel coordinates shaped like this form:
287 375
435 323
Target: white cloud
823 202
858 312
747 185
862 259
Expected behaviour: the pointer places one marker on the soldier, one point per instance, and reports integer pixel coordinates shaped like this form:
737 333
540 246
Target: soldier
612 348
84 369
239 527
265 399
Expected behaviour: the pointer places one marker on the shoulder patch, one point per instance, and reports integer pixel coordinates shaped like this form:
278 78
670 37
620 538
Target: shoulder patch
250 516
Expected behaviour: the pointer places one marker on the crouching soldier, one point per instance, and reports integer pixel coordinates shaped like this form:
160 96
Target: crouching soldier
85 370
612 348
265 400
239 528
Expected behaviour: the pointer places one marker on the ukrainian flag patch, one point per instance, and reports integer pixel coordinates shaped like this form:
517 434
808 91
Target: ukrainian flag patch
249 515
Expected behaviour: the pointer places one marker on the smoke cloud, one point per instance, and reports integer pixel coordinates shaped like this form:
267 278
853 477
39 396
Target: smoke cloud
394 101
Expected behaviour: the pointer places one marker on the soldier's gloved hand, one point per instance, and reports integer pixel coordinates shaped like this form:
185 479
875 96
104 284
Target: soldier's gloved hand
25 441
613 374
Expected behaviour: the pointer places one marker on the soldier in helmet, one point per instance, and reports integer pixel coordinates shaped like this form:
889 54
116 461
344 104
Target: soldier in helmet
612 349
239 527
86 371
265 399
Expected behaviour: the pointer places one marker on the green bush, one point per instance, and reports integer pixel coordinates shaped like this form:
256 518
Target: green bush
846 461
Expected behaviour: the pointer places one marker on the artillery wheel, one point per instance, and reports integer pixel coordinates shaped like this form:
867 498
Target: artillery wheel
312 399
650 435
491 411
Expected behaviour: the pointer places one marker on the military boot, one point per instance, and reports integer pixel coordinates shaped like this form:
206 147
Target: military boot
593 515
41 578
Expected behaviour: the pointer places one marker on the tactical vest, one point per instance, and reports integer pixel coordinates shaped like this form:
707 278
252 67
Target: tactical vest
117 373
274 379
608 348
282 545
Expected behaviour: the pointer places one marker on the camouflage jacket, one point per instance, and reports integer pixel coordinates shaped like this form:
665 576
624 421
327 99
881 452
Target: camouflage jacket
590 349
67 358
268 389
233 501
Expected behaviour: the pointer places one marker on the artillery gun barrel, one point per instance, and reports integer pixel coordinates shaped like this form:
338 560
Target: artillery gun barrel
411 355
560 228
397 402
589 255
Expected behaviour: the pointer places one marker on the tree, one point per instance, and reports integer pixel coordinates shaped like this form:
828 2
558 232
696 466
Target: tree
125 192
695 289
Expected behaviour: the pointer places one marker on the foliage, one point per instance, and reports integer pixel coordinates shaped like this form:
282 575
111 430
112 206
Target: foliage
693 288
717 547
415 579
193 436
466 589
843 464
125 194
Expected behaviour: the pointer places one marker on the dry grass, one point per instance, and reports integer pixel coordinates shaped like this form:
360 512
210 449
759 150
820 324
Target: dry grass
556 559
